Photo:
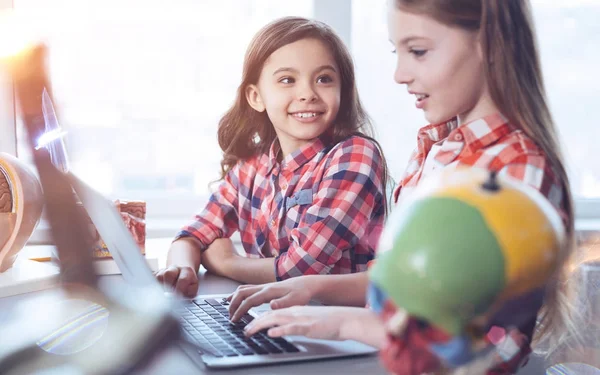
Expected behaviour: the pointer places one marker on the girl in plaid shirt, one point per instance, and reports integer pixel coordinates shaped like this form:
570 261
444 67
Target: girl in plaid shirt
473 68
302 181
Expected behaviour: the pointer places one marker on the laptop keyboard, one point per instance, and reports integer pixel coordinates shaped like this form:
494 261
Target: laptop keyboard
207 321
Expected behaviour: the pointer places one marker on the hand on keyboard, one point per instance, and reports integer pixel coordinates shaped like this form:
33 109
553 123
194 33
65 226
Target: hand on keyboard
207 322
322 322
291 292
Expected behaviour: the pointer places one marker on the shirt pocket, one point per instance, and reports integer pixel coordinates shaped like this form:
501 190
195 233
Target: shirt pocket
296 206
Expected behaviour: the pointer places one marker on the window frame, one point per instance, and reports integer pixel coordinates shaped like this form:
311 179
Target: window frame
167 213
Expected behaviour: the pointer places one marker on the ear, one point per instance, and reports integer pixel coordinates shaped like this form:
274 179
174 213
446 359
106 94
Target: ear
254 99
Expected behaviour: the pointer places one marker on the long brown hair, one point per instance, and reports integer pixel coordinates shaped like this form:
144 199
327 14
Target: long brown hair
244 132
514 78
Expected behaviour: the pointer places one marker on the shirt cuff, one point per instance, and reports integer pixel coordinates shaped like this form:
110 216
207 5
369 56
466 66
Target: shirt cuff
276 265
186 234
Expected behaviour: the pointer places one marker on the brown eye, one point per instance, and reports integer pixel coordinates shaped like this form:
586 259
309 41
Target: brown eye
286 80
418 52
324 79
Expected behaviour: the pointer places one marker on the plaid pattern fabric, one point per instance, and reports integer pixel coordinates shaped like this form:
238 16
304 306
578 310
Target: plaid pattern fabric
494 144
491 143
315 212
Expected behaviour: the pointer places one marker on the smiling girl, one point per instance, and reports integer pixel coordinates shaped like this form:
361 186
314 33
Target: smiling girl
302 181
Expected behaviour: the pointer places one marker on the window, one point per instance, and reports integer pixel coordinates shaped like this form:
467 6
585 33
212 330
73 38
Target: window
140 87
568 35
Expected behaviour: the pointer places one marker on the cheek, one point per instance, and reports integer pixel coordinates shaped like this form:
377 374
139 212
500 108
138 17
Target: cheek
331 96
439 74
276 104
453 82
467 72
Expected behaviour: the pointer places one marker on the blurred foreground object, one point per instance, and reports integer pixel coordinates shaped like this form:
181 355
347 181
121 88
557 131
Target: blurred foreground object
21 204
136 321
462 245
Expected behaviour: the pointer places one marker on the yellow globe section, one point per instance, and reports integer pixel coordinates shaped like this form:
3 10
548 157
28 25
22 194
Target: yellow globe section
526 226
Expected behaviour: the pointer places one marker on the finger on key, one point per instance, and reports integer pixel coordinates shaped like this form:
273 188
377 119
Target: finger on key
241 287
267 320
238 297
292 329
251 301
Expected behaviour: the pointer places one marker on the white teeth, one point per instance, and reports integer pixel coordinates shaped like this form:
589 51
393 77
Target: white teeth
421 96
305 114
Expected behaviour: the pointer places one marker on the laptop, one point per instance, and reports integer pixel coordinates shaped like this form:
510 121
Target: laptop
209 336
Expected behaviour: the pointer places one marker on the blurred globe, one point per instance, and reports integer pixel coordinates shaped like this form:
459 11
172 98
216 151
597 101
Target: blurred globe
464 241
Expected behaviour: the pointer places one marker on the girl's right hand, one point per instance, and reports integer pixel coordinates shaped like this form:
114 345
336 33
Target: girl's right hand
183 280
290 292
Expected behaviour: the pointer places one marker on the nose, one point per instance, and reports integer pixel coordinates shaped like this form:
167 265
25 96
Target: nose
306 93
402 75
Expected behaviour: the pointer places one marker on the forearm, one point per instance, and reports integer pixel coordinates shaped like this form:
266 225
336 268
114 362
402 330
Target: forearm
221 258
251 271
348 290
184 252
363 325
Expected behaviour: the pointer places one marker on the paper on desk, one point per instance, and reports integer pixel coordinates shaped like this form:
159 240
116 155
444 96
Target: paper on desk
109 266
27 276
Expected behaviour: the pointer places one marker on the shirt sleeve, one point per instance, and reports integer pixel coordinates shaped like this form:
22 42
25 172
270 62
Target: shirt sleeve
348 199
219 219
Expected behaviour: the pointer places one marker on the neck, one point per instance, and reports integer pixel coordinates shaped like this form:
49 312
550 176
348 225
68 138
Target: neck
484 107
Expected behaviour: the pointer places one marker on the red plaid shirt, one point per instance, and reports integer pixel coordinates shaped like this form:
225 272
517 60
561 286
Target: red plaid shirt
319 211
494 144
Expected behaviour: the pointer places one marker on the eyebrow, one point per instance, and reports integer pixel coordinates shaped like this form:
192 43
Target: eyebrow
410 38
321 68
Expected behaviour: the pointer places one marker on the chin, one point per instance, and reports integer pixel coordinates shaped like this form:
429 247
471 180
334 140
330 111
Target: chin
436 118
309 135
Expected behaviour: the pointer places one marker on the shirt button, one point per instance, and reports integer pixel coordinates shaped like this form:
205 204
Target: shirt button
272 222
284 186
458 137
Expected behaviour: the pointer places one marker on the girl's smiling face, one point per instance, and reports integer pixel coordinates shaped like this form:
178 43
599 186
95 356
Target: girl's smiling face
300 89
441 65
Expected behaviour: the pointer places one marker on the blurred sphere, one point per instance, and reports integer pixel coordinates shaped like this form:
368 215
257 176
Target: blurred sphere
464 241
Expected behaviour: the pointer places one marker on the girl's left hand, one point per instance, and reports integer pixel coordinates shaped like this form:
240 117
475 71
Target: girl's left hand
319 322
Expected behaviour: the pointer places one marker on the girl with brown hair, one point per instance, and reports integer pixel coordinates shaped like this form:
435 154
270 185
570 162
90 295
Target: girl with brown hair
302 180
